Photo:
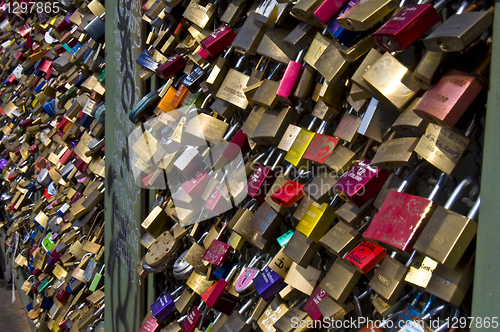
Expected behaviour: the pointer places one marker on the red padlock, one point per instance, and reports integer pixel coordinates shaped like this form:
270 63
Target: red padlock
365 256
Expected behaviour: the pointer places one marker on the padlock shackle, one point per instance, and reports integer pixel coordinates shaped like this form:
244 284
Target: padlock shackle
391 317
463 7
202 237
312 123
439 185
411 259
231 130
249 203
475 209
278 160
149 269
429 304
177 290
266 161
412 175
247 305
440 4
232 272
229 51
433 312
206 100
275 71
256 260
457 193
300 56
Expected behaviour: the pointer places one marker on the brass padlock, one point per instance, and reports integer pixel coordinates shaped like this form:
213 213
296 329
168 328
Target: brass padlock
250 35
272 126
203 127
391 81
340 238
340 280
364 14
458 31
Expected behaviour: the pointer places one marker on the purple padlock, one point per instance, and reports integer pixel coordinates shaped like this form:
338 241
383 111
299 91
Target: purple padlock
164 306
268 283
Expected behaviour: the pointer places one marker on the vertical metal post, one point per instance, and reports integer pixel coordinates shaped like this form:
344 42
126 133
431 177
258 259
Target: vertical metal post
124 200
485 302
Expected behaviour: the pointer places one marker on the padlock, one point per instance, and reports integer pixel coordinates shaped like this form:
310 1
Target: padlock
262 178
320 189
193 319
317 219
377 120
408 122
289 193
388 280
273 46
451 285
303 279
272 126
442 147
311 306
446 102
365 256
340 280
200 15
290 79
271 314
331 64
340 238
184 302
364 15
395 153
404 28
244 282
458 31
301 36
321 146
265 222
237 322
420 271
218 40
301 249
292 316
391 81
268 283
219 71
416 212
232 12
447 234
330 308
162 250
164 305
361 183
250 35
407 321
239 222
194 255
203 127
300 145
220 299
231 89
347 129
304 9
218 251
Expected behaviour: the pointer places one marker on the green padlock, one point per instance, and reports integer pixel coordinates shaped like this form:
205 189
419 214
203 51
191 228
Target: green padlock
97 279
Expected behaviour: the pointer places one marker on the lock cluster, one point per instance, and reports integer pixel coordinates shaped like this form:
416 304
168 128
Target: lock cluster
316 163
